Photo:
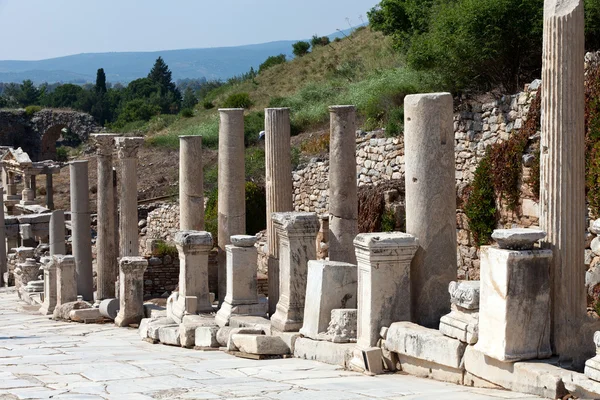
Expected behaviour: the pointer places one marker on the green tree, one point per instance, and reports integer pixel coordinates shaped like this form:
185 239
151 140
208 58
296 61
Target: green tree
271 61
28 94
100 81
64 96
301 48
189 99
169 97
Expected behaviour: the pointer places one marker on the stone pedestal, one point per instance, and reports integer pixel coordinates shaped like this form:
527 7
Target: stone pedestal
28 193
193 297
463 321
127 149
297 233
131 290
66 279
562 168
80 221
514 310
26 272
279 188
50 284
383 285
57 233
106 245
232 192
242 294
343 198
3 260
430 202
191 184
331 285
592 366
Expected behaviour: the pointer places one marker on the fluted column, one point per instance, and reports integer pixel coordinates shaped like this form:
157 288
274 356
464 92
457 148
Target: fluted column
127 149
191 184
430 203
278 176
562 189
343 196
232 197
80 221
106 246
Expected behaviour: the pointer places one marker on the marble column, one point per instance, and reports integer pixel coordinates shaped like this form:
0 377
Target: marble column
384 285
242 293
49 303
232 192
279 189
106 246
562 167
194 297
66 279
297 233
3 242
127 148
343 197
81 224
49 192
131 290
57 233
430 202
191 184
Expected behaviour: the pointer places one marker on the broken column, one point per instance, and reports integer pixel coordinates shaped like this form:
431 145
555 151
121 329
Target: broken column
343 198
49 304
191 184
131 290
463 321
330 285
232 192
384 287
66 279
279 189
297 233
430 202
57 233
514 307
127 149
193 296
242 294
562 168
106 249
81 225
3 260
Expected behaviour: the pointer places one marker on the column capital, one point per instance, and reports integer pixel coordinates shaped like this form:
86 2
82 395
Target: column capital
105 143
193 241
127 147
62 261
385 246
132 265
297 223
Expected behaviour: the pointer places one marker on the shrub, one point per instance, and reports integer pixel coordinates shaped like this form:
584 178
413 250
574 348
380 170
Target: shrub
208 105
164 249
30 110
211 214
301 48
187 113
255 163
62 154
319 41
395 122
388 221
254 122
256 208
238 100
480 207
271 61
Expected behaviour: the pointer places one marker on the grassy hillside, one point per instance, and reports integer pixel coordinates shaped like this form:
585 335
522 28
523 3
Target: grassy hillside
361 69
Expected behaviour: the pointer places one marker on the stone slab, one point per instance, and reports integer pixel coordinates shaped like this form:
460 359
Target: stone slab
152 310
289 338
325 352
461 325
240 331
244 321
156 324
428 369
88 315
517 238
169 335
206 336
187 328
409 339
260 344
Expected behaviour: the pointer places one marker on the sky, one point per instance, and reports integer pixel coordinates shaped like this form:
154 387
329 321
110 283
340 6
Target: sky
40 29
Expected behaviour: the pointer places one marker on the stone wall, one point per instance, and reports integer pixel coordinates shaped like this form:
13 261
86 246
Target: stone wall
163 222
161 276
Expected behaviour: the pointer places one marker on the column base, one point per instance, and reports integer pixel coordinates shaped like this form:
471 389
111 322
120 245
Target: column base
123 321
228 310
188 305
47 309
287 320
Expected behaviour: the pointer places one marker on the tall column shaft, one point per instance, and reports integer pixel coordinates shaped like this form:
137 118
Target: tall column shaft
49 192
562 188
430 202
57 233
343 196
232 192
279 189
80 221
106 252
191 184
127 148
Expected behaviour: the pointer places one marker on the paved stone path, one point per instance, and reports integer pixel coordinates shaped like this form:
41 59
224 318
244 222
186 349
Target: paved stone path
41 359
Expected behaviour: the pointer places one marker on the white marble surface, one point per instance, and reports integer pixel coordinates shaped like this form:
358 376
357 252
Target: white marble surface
41 359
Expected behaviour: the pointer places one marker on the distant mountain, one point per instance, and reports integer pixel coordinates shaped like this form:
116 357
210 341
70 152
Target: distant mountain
211 63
